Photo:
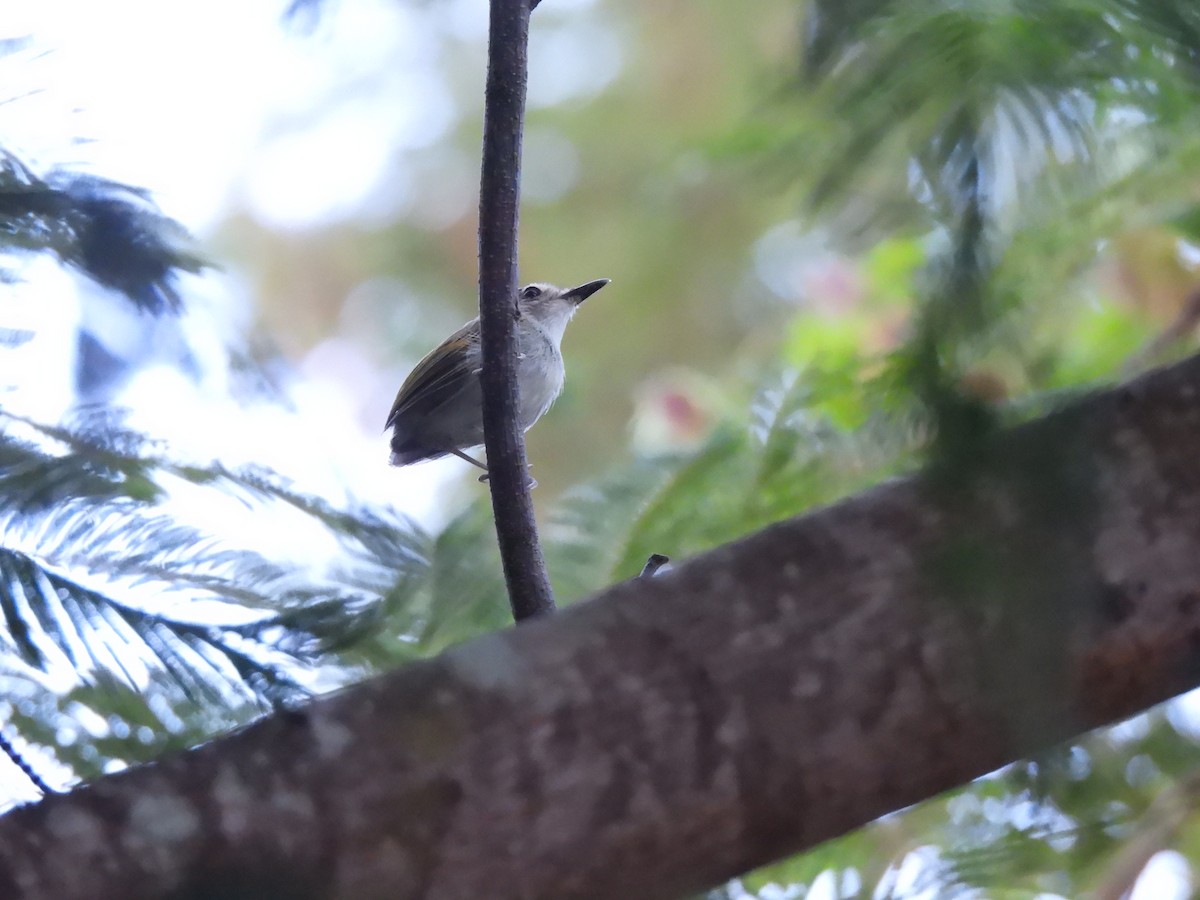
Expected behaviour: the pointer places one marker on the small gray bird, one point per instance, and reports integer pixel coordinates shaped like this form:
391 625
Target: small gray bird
439 409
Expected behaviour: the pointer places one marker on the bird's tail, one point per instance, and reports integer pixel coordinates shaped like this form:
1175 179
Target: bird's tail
405 452
405 459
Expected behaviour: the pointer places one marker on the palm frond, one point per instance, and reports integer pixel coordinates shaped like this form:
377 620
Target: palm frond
36 473
993 120
102 460
111 232
56 616
585 533
86 533
102 724
1038 83
463 590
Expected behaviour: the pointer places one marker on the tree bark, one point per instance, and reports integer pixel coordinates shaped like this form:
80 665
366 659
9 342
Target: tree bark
677 730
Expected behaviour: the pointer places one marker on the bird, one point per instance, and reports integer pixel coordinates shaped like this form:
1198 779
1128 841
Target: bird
438 410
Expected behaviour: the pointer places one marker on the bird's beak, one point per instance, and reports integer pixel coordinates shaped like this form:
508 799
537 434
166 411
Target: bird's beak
581 293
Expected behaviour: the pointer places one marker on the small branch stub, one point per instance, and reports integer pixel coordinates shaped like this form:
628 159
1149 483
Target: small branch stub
653 565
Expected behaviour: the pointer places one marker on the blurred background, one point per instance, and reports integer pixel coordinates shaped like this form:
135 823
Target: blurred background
831 227
330 169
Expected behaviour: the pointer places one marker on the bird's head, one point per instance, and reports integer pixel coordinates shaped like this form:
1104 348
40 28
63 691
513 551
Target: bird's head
553 306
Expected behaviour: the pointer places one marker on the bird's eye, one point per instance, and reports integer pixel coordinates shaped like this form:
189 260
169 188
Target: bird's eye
530 292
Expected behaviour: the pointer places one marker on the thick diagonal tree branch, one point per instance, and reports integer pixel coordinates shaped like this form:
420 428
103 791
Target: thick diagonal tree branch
676 730
529 591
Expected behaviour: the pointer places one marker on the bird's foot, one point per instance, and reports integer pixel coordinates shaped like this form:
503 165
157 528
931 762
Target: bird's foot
532 481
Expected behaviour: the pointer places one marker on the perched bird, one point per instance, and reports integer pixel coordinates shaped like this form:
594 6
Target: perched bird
439 409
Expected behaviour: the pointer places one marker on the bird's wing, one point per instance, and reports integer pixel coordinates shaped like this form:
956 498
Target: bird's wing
437 377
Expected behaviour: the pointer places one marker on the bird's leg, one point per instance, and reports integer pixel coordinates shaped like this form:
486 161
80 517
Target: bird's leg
484 476
473 462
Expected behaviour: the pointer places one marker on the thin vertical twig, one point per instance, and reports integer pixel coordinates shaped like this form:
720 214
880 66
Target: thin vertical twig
529 591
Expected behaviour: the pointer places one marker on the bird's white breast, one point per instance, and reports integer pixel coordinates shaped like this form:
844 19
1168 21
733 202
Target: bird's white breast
540 371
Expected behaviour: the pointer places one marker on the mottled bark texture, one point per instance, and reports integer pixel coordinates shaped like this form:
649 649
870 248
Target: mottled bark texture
676 730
